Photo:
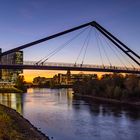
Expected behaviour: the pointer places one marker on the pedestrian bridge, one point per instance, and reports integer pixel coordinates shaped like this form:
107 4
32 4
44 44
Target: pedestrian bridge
32 65
103 41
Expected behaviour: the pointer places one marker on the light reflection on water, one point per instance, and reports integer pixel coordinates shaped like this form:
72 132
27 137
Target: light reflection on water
58 114
12 100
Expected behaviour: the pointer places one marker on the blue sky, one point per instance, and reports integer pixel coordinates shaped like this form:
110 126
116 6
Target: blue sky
23 21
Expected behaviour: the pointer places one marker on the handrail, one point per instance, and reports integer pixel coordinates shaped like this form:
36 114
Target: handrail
77 65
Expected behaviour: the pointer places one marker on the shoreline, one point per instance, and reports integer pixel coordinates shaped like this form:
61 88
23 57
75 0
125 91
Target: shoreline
107 100
11 90
13 125
52 87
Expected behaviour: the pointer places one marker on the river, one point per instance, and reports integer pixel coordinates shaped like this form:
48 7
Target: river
58 114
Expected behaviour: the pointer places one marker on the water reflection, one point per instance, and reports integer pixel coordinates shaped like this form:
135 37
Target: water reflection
12 100
108 109
57 113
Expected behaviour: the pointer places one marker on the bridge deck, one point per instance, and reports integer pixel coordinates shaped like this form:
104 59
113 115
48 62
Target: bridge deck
70 66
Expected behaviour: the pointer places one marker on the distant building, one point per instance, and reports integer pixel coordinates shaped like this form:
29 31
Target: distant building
69 79
7 85
12 58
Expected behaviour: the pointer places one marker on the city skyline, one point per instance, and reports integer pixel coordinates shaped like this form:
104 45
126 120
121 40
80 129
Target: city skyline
26 21
69 69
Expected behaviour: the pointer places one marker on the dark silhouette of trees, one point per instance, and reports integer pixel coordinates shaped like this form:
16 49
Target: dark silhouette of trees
115 86
20 83
41 81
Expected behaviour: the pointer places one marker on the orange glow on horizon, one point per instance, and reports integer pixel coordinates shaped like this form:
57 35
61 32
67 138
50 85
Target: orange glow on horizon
30 74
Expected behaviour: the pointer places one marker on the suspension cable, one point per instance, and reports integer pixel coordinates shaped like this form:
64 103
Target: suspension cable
119 53
60 47
88 39
114 51
101 43
125 58
98 46
81 50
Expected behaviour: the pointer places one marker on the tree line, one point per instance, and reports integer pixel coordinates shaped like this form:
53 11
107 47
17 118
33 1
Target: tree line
115 86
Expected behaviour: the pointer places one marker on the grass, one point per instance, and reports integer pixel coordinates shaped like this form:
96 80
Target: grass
8 127
15 127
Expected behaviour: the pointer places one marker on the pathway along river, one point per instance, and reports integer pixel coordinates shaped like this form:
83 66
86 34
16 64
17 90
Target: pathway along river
56 113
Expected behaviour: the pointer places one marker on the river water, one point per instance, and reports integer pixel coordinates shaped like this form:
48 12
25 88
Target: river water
58 114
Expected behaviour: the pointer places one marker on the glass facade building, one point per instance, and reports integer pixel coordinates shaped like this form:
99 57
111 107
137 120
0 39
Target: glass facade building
12 58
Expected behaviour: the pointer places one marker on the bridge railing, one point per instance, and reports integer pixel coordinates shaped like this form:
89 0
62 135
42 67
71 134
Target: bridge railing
79 65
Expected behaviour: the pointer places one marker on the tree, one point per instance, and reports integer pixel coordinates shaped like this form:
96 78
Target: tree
41 81
20 83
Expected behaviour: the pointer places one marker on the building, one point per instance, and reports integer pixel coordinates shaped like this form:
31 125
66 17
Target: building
6 85
69 79
12 58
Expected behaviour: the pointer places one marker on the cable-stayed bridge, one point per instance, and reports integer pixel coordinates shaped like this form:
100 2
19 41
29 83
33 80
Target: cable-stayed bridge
70 66
111 41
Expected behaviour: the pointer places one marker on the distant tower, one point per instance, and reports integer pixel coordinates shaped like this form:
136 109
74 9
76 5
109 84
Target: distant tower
68 76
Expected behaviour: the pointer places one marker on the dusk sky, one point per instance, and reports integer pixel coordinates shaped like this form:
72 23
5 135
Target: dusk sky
23 21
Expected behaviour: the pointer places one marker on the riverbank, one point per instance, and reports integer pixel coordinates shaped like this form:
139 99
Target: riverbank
11 90
14 127
52 87
107 100
114 88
